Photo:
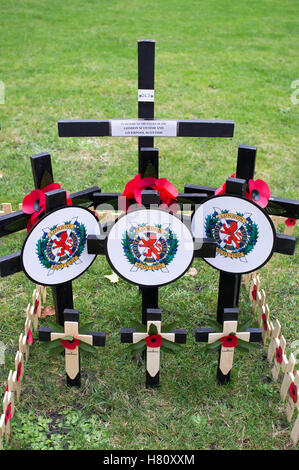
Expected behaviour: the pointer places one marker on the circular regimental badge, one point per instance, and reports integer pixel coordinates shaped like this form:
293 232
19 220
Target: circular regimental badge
243 231
150 247
55 250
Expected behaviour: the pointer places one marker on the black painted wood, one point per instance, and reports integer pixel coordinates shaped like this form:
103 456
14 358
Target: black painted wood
150 297
236 186
146 81
205 248
228 293
148 162
42 170
96 244
204 128
10 264
285 244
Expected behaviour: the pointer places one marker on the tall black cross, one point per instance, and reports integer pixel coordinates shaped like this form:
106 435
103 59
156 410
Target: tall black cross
146 128
43 176
229 284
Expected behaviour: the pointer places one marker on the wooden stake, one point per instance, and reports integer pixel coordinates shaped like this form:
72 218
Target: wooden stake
264 322
293 397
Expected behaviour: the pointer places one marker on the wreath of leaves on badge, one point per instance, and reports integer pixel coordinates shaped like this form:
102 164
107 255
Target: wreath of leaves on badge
42 243
172 242
251 227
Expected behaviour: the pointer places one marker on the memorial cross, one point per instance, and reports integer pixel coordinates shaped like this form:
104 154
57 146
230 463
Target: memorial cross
264 322
16 221
280 345
228 338
275 335
145 128
229 283
293 402
153 343
288 369
71 340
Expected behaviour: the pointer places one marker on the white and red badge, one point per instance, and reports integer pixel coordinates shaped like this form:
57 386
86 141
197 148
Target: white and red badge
150 247
244 233
55 250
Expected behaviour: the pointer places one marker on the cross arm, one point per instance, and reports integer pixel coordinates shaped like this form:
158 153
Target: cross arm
16 221
180 336
44 333
284 244
98 338
205 248
10 264
202 334
103 128
126 335
276 205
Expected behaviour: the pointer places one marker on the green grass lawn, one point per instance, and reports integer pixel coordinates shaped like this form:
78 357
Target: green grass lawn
214 60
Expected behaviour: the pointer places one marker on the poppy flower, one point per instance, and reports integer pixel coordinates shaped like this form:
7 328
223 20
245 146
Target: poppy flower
35 203
29 339
154 341
254 292
8 414
279 355
67 344
293 392
230 341
259 192
167 191
19 371
36 304
290 222
264 320
222 188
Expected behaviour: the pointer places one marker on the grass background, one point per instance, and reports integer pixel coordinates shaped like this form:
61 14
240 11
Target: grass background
214 60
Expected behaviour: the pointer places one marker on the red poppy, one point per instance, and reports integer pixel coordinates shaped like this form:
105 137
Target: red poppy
293 392
36 304
254 292
168 192
29 339
6 388
290 222
279 355
264 319
35 203
259 192
222 188
230 341
19 371
8 414
67 344
154 341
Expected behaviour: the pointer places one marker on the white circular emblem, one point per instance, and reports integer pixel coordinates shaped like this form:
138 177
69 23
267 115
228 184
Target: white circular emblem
150 247
55 250
243 231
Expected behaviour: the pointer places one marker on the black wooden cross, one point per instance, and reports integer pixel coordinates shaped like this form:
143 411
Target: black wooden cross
72 353
226 354
229 284
15 221
148 155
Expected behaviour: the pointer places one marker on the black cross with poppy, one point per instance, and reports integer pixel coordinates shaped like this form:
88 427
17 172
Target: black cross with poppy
148 155
229 284
227 340
14 222
71 342
153 340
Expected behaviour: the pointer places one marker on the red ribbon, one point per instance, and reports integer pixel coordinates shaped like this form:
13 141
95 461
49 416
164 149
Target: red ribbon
168 192
35 203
